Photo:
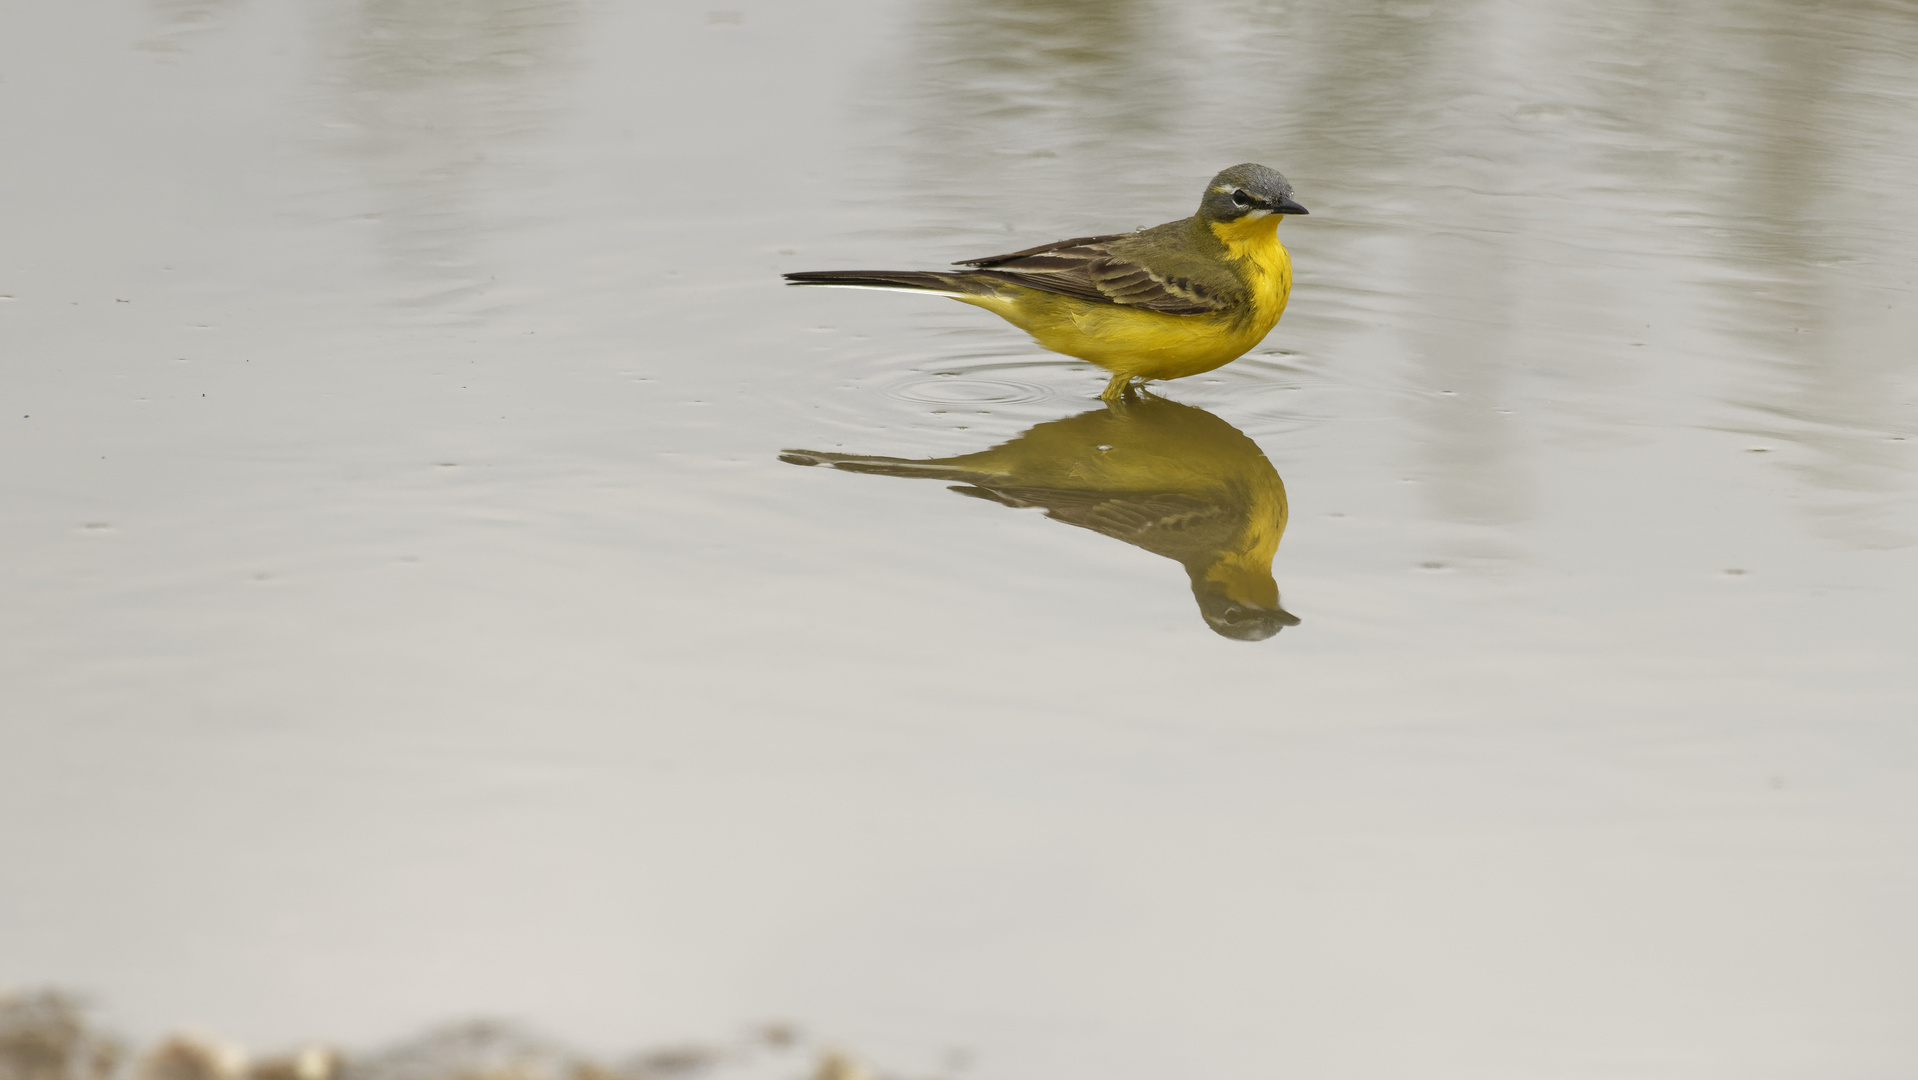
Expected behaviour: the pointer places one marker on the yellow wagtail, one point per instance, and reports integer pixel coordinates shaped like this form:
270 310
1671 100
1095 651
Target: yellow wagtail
1161 303
1169 478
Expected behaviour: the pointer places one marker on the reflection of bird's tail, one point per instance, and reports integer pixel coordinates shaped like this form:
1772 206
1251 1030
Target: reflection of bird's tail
883 466
951 284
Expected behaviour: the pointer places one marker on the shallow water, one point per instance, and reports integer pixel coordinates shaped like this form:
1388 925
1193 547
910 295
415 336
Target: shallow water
409 615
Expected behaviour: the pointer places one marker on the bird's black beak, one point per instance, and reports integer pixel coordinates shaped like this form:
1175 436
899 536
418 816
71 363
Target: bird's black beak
1287 206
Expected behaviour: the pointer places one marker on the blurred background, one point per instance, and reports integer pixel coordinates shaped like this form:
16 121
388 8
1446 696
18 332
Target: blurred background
408 616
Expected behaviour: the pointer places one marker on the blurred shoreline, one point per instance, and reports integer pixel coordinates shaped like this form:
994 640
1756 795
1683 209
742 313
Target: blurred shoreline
47 1034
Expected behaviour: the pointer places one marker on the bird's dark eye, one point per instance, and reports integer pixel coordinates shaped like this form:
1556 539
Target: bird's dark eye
1241 198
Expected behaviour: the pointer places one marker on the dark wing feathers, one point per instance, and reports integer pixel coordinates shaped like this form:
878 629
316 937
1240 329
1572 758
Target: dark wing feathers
1165 523
1089 268
993 260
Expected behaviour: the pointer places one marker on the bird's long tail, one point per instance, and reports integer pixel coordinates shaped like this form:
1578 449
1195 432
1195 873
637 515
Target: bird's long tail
882 466
959 283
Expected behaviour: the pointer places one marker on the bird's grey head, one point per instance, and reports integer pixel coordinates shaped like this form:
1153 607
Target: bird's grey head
1237 618
1248 191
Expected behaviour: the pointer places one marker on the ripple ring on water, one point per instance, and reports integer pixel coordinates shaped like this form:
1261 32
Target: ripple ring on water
958 389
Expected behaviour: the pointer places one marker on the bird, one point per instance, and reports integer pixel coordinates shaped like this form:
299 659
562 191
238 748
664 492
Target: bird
1170 478
1166 302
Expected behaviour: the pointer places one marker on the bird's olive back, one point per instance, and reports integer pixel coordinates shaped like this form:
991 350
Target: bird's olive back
1242 190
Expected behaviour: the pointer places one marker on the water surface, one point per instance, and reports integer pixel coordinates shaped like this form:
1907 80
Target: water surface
408 614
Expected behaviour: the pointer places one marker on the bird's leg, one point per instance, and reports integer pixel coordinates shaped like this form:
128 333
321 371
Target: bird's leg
1116 388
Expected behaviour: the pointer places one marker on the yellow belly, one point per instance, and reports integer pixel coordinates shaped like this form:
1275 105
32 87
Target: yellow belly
1140 343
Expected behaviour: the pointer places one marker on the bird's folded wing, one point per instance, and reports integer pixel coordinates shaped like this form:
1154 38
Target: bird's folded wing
1077 241
1165 523
1088 268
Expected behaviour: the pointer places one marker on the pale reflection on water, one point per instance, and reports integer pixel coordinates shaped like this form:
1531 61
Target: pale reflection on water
435 94
408 617
1506 203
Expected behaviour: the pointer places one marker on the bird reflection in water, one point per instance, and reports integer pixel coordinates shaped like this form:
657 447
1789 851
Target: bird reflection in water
1169 478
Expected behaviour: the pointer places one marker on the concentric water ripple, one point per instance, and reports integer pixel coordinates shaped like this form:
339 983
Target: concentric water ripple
954 388
1006 389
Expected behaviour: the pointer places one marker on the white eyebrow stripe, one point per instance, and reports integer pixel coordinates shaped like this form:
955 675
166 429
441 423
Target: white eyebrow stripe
1225 189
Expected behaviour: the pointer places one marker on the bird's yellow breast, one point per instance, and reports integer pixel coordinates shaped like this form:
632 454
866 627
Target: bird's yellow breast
1140 343
1255 246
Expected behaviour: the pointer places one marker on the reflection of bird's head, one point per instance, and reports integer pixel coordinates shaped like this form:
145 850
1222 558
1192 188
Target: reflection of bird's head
1246 192
1241 601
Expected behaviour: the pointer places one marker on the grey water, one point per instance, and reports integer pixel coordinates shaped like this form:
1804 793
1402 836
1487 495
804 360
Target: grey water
408 613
